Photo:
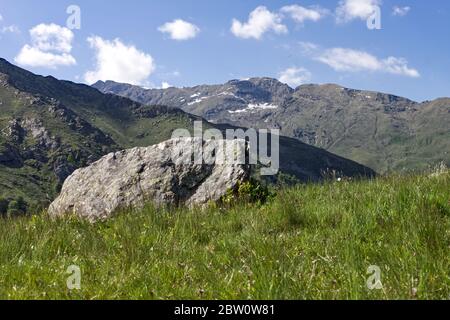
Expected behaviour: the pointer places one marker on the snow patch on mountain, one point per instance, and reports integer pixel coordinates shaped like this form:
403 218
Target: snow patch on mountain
227 93
255 107
199 100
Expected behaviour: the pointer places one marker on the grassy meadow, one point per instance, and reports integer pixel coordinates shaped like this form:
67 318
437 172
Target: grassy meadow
308 242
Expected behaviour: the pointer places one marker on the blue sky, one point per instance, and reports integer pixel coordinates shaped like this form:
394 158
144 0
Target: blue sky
186 43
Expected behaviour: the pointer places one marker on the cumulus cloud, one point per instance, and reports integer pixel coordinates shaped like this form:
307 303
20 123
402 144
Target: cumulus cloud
50 47
52 37
34 57
180 30
400 11
349 60
356 9
119 62
295 76
260 21
301 14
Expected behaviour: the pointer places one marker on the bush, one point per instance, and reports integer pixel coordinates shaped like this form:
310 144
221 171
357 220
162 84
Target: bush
3 206
37 206
17 207
251 191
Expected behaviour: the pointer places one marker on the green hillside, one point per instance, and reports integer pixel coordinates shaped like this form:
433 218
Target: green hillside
49 128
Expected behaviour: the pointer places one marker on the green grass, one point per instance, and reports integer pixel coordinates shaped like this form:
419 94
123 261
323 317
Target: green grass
309 242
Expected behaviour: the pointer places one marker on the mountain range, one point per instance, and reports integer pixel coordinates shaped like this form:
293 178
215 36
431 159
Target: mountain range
49 128
382 131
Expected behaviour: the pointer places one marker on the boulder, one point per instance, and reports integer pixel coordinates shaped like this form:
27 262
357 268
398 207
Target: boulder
165 174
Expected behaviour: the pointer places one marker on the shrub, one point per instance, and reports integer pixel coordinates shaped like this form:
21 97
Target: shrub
37 206
251 191
17 207
3 206
71 159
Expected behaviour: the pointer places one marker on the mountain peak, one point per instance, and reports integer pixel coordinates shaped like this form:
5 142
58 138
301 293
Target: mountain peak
99 83
6 67
262 86
256 81
323 86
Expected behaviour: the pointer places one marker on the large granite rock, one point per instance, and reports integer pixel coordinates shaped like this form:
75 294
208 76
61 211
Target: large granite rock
165 174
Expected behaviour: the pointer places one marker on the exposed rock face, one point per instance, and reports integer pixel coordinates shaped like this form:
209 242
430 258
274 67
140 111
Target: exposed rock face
164 174
14 131
35 129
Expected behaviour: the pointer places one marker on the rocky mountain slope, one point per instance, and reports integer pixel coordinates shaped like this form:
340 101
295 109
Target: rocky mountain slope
382 131
49 128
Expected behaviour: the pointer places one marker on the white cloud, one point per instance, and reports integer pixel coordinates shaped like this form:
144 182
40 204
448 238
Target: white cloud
301 14
399 66
10 29
50 47
180 30
34 57
295 76
165 85
349 60
259 22
400 11
356 9
308 48
119 62
48 37
1 17
341 59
